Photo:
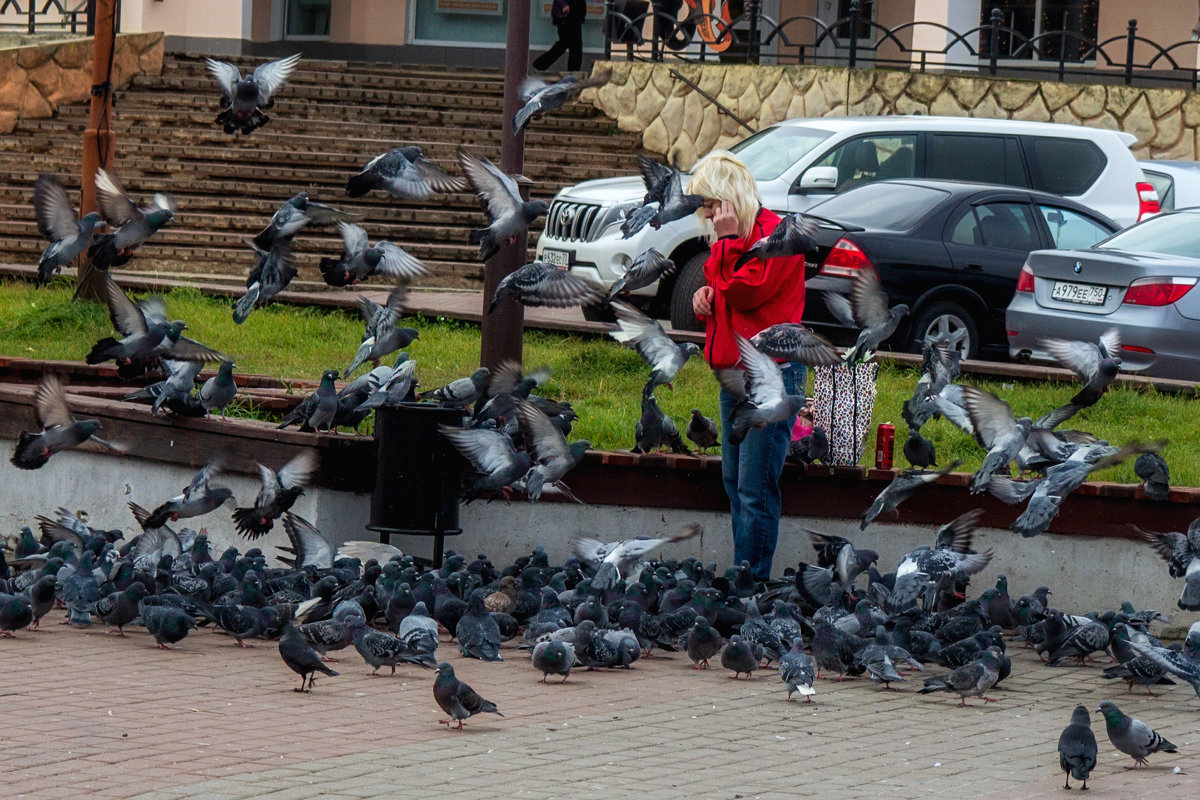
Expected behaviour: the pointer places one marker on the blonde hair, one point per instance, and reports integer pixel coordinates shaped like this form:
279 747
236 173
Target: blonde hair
721 175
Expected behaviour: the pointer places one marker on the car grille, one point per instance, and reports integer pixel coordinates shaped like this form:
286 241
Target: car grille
567 221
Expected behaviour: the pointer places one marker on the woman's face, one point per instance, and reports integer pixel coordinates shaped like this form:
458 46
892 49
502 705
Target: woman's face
711 205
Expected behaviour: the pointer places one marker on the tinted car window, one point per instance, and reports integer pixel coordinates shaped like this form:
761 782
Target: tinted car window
1063 166
1007 225
891 206
1165 187
982 159
769 153
966 230
1070 229
872 158
1169 234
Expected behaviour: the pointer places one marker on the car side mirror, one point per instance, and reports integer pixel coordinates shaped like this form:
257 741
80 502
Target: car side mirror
1056 218
819 179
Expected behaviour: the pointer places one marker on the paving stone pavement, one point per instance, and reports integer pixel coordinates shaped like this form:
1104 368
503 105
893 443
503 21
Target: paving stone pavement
88 714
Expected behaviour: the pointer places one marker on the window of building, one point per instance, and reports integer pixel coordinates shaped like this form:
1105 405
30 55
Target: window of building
305 19
1032 18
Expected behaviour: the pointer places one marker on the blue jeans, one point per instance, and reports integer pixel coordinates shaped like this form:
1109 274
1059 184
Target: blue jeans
751 473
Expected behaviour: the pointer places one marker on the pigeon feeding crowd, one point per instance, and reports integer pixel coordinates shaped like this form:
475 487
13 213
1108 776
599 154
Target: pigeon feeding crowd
610 603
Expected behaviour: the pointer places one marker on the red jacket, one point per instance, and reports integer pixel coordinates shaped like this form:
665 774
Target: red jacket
756 296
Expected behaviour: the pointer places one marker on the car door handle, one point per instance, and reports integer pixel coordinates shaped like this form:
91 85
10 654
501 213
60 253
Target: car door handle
975 266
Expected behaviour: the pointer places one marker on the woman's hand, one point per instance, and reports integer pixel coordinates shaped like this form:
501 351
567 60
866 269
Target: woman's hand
724 218
702 301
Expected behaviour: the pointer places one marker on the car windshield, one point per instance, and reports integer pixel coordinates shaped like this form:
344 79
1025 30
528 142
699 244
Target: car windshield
1168 235
891 206
768 154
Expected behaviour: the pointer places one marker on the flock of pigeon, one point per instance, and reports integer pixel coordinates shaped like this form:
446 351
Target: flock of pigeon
609 604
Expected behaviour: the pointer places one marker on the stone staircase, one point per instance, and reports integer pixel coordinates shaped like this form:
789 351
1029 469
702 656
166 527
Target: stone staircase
327 123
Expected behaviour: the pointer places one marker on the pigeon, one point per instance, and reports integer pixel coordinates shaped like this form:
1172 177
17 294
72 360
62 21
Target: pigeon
703 642
147 332
278 493
15 613
403 172
477 631
293 215
301 658
1185 665
793 236
509 216
553 458
132 225
317 412
1080 642
327 634
175 392
1155 474
198 498
458 699
969 680
664 201
664 357
867 309
758 387
58 429
919 451
41 598
791 341
241 621
797 670
168 625
1077 748
243 100
394 387
496 462
702 430
309 547
272 273
1132 736
738 656
540 283
900 489
219 390
1096 364
553 658
942 567
810 448
360 260
621 560
655 430
540 97
832 650
997 432
56 222
841 555
647 268
419 630
80 592
1182 554
462 392
381 336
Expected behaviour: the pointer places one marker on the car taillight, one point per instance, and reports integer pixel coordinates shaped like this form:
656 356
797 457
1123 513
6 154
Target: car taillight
1025 279
1157 291
1133 348
1148 204
845 259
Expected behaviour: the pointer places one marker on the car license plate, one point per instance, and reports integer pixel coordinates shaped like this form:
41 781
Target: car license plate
559 258
1082 293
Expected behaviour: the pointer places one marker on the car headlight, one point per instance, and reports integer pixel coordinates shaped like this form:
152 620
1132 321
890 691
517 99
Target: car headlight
616 214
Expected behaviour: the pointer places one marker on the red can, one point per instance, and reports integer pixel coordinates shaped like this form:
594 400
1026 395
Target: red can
885 445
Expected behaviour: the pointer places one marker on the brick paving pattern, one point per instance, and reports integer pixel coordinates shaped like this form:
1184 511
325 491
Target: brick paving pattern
90 715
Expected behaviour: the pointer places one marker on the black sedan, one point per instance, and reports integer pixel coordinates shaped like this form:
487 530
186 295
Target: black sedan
952 251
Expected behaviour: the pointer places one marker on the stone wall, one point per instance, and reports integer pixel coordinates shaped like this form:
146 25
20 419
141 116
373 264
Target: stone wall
37 79
677 122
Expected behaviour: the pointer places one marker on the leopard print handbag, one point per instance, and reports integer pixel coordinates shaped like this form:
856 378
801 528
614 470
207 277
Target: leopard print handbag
843 401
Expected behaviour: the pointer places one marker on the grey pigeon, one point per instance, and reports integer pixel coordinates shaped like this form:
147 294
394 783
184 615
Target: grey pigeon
1077 748
797 670
832 650
702 430
360 260
381 336
272 272
327 634
1182 554
461 392
738 656
758 387
647 268
793 236
867 309
1132 736
664 357
791 341
243 100
508 215
219 390
477 631
919 451
15 613
969 680
997 432
308 546
198 498
132 225
900 489
810 448
168 625
458 699
41 598
175 392
301 658
1155 474
618 560
58 430
540 283
553 457
403 172
553 658
1096 363
940 568
395 388
381 649
277 494
1185 664
419 630
665 200
321 407
655 430
1080 642
295 213
146 332
703 642
540 97
491 454
841 555
759 634
56 222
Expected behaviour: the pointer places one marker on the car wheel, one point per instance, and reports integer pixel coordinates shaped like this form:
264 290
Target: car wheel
690 279
602 313
946 319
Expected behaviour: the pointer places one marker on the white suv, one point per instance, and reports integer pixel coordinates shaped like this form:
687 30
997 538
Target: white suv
800 162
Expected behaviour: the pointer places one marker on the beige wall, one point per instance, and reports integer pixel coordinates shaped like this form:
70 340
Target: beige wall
218 19
1164 22
368 21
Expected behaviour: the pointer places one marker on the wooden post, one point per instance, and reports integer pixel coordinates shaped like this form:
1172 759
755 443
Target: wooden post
98 139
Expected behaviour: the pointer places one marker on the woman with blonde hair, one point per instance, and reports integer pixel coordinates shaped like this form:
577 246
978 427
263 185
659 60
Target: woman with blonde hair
744 300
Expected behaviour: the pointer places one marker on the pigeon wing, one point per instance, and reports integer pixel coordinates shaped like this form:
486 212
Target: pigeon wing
438 179
186 349
300 471
498 190
548 285
53 209
657 178
1110 342
1082 358
50 404
490 452
546 441
839 307
271 76
398 263
867 299
354 239
642 334
116 207
766 381
320 214
956 534
227 75
990 416
312 548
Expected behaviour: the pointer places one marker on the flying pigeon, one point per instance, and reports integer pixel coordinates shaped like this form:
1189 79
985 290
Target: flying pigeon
1182 554
997 432
665 200
198 498
147 332
540 97
131 224
360 260
758 387
621 560
664 357
496 462
1077 748
382 337
793 236
542 284
508 215
1132 736
278 493
647 268
794 342
295 213
403 172
59 430
309 547
900 489
272 272
1096 363
553 457
458 699
56 222
841 555
244 99
867 309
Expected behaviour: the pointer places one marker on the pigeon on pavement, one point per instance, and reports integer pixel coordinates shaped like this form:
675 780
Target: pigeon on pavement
841 555
458 699
621 560
703 642
56 222
553 658
647 268
58 429
168 625
969 680
1077 748
798 671
540 97
1132 736
540 283
243 100
508 215
278 493
360 260
867 308
15 613
301 658
403 172
793 236
738 656
477 631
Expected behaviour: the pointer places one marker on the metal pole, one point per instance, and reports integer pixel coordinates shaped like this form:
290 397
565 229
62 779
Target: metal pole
610 8
994 56
1129 43
98 139
501 331
753 10
853 33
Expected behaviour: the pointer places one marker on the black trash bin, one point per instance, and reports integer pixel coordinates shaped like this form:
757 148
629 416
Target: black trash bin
418 474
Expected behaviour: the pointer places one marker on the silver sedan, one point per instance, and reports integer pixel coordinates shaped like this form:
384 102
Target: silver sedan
1141 281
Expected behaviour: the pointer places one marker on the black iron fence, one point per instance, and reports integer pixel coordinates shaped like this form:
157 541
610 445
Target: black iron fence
642 33
48 16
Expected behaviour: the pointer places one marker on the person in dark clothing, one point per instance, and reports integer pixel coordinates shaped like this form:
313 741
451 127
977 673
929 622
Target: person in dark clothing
568 17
